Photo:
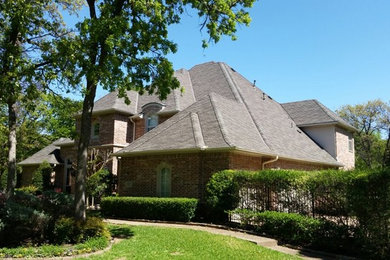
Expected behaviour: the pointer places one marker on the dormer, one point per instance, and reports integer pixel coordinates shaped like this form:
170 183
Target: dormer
150 113
325 128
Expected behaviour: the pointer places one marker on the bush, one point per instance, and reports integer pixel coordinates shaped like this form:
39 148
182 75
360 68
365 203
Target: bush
32 190
222 194
22 224
298 230
41 177
99 184
69 230
174 209
357 202
31 219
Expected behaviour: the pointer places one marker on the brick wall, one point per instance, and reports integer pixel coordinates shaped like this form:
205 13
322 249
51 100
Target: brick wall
295 165
190 171
138 175
344 156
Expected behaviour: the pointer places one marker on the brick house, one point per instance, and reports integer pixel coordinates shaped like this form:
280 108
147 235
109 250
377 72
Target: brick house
221 121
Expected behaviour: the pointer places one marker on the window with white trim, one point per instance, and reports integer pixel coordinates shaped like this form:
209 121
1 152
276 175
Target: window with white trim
164 182
151 122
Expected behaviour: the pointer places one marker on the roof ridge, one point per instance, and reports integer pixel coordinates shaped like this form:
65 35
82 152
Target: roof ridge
192 86
232 84
197 130
261 134
219 120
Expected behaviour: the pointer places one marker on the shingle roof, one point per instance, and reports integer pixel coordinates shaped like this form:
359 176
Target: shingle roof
50 153
208 123
176 100
240 116
312 112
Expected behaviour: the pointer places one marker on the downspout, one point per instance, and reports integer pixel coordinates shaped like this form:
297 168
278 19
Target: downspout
270 161
132 121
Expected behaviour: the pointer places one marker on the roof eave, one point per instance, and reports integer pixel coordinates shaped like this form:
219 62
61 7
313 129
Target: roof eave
107 111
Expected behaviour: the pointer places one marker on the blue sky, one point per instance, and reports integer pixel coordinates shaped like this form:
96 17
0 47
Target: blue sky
336 51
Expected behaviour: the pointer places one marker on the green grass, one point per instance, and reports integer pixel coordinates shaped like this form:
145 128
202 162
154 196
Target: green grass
91 245
171 243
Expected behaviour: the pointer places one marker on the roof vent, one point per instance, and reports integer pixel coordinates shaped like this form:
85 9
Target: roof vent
254 84
263 96
232 69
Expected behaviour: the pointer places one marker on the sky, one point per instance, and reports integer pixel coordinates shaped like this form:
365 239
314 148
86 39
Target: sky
335 51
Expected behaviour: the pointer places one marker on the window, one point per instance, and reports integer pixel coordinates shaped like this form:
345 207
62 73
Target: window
151 122
164 182
95 130
350 144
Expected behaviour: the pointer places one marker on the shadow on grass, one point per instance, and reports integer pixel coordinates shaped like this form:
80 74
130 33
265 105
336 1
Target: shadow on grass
119 231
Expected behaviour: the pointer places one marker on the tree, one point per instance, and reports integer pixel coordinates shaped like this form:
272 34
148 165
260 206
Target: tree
27 28
123 45
37 126
372 139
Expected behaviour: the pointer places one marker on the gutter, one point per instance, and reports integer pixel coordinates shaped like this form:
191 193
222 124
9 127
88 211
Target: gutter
270 161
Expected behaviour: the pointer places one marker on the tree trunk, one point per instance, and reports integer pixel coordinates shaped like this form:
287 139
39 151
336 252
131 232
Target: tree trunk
11 178
82 151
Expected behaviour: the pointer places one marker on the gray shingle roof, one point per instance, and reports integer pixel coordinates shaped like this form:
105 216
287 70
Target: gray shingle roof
312 112
176 100
208 123
50 153
240 116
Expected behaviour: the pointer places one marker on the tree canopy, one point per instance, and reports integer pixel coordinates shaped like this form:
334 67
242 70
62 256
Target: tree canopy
123 45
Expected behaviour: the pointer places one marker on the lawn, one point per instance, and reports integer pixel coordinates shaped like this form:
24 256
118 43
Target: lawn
147 242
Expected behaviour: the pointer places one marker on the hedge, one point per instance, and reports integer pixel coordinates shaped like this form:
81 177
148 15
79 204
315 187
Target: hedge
172 209
358 201
296 229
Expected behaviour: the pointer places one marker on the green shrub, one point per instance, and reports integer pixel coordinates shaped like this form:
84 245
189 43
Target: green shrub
222 194
41 177
69 230
32 190
99 184
22 223
174 209
369 201
299 230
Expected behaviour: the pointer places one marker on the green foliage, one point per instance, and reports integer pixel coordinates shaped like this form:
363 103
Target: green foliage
32 190
174 209
369 199
99 183
29 218
21 224
222 194
296 229
41 177
356 201
49 251
69 230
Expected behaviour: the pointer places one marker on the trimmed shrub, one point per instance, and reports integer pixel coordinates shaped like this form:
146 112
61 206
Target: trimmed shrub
299 230
173 209
68 230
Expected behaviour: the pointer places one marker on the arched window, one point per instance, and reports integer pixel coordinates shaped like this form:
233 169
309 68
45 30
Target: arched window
164 182
151 122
